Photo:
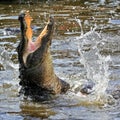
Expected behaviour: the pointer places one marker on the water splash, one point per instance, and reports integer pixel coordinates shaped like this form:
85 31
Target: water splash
80 24
5 60
96 64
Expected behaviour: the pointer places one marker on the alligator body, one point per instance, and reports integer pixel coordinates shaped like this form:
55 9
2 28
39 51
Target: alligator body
37 76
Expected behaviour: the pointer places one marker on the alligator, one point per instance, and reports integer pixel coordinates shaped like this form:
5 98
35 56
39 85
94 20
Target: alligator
37 77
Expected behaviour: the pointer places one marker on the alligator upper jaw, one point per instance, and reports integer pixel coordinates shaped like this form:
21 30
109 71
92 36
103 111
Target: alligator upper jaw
30 46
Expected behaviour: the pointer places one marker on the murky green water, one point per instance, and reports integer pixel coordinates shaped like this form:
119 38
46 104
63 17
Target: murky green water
86 45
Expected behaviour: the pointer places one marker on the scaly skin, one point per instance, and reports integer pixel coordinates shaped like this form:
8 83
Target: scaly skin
36 68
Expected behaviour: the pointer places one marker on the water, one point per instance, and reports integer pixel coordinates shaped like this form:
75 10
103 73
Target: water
85 49
95 63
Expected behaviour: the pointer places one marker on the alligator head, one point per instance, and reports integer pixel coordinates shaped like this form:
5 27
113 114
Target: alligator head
35 61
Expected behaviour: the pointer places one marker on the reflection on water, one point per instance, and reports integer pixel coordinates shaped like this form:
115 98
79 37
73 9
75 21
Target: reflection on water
85 48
